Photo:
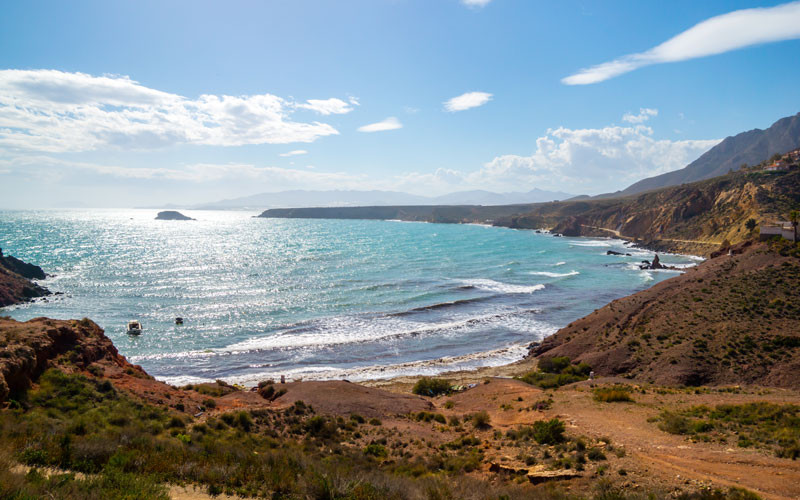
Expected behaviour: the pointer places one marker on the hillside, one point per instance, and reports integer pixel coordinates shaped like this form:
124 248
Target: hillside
749 148
71 404
354 198
692 218
734 319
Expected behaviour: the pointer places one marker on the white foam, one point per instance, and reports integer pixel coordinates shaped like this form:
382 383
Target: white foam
554 275
559 263
497 286
494 357
349 330
646 276
590 243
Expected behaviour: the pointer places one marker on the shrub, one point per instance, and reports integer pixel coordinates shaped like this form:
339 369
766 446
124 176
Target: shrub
674 424
548 431
481 420
612 395
427 386
376 450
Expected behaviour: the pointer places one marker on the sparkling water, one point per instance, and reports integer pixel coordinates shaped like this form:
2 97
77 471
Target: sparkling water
315 298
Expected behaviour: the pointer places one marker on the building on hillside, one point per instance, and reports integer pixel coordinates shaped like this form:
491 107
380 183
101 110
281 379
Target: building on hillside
784 229
794 155
777 165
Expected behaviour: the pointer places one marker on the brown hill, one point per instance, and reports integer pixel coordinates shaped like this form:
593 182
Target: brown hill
691 218
15 281
735 319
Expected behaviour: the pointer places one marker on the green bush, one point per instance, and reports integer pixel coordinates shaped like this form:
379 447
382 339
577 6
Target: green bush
481 420
548 431
556 372
612 394
427 386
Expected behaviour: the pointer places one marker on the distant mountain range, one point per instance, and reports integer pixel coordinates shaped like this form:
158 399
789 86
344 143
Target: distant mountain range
344 198
751 147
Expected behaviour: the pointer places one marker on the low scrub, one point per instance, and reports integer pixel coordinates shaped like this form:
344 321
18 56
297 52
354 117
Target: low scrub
427 386
555 372
612 395
762 425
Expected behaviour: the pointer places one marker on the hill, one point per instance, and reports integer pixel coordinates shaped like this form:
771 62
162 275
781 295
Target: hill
691 218
353 198
731 320
749 148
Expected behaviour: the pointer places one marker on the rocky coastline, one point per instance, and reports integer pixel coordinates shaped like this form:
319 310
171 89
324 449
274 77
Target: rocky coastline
16 281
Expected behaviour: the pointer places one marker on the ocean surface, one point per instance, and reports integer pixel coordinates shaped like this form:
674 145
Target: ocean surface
315 299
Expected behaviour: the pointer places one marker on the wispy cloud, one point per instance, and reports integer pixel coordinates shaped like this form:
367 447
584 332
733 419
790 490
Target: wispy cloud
476 3
467 101
296 152
42 166
391 123
55 111
329 106
644 115
735 30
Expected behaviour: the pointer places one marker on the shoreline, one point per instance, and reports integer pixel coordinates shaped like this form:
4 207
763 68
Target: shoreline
428 367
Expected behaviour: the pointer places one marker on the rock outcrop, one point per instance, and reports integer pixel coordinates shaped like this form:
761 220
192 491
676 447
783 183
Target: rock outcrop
15 281
171 215
29 348
731 320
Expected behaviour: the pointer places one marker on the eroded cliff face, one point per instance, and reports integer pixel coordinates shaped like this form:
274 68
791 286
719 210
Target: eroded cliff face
28 348
735 319
693 218
15 281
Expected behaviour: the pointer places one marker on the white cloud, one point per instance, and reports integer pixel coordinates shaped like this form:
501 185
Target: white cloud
591 160
644 115
719 34
294 153
329 106
54 111
476 3
467 101
390 123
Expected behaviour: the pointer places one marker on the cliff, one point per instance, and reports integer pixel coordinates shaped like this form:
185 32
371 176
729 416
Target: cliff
691 218
731 320
31 347
15 281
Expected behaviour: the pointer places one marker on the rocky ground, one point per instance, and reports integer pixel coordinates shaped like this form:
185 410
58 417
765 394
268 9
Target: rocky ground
619 441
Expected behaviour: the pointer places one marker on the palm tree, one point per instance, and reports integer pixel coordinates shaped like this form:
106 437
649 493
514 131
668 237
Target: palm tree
794 216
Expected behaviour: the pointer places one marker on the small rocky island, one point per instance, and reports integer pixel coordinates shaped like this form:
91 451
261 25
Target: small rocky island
171 215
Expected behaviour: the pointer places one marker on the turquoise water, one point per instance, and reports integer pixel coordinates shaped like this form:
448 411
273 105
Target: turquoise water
314 298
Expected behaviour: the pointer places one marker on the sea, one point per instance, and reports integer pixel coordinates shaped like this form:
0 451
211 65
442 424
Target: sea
313 298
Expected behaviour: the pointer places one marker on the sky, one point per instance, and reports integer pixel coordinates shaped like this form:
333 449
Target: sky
119 104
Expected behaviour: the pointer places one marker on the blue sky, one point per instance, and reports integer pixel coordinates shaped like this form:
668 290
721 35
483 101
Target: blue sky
132 103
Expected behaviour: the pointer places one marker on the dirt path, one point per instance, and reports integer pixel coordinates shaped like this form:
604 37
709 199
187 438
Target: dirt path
629 238
674 459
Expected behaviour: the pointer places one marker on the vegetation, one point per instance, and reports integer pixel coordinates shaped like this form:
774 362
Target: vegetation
763 425
555 372
613 394
427 386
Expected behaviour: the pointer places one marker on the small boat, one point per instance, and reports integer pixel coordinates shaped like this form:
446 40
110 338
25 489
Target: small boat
134 327
178 320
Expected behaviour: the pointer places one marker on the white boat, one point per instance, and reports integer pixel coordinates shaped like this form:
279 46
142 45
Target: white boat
134 327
